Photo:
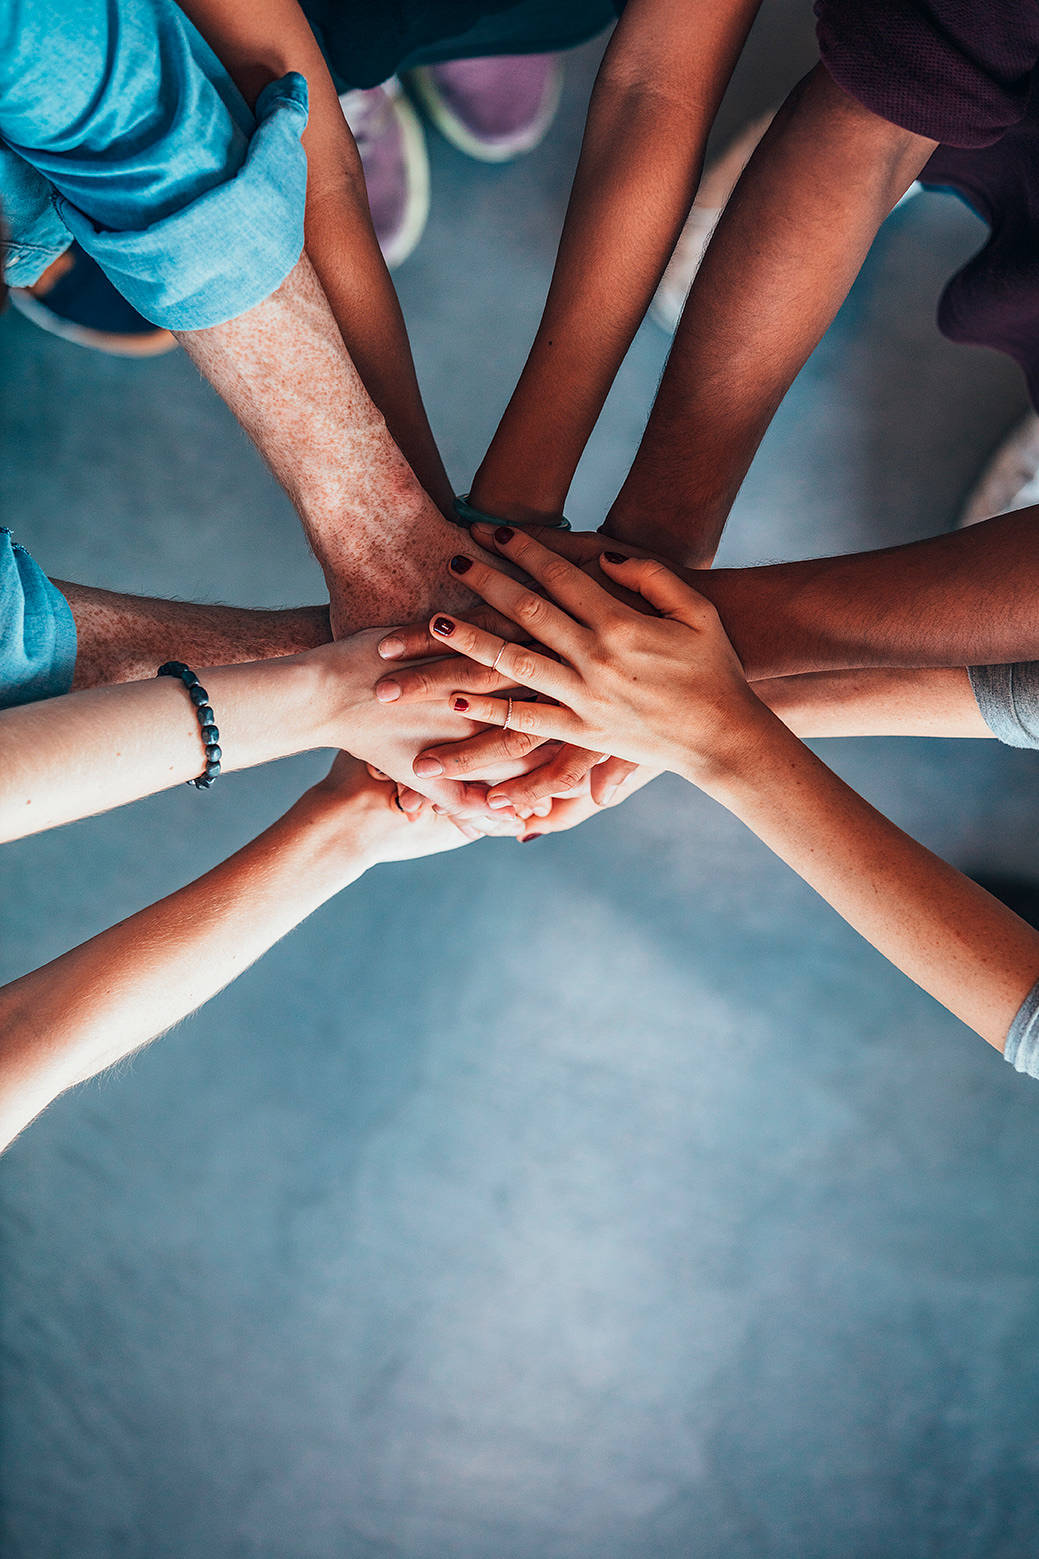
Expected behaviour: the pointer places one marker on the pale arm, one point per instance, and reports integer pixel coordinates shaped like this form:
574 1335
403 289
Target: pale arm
888 702
258 44
783 257
97 1003
942 930
653 104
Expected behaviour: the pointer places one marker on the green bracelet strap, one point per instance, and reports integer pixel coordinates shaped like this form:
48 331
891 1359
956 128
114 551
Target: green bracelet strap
465 516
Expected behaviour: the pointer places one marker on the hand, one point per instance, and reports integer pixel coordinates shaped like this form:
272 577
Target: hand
387 737
372 821
665 691
566 812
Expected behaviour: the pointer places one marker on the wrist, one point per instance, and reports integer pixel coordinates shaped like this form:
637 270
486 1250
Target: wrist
740 752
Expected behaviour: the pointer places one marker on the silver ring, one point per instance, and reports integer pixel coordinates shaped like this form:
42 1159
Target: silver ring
508 717
497 658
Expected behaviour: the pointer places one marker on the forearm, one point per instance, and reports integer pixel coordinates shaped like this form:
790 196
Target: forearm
652 107
889 702
91 751
123 638
285 373
95 1004
783 258
258 44
942 930
961 599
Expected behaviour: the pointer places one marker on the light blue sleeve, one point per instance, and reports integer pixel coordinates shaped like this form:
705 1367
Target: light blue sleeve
1008 697
190 203
1022 1046
37 630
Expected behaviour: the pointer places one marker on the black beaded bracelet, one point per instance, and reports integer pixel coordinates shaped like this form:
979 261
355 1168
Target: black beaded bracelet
206 719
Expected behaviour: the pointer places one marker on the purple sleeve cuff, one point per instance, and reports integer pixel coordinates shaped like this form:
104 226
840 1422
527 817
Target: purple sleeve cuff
958 74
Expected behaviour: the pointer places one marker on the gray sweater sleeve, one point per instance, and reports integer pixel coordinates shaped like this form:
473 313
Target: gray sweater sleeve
1022 1046
1008 697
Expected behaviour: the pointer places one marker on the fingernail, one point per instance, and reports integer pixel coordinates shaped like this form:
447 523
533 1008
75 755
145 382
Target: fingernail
427 768
461 704
391 649
443 626
526 838
386 692
504 534
608 795
497 802
460 564
615 557
412 803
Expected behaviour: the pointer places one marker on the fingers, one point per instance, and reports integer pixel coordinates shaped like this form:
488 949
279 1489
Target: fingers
520 665
607 778
435 680
664 591
478 755
529 792
415 640
564 581
545 721
538 618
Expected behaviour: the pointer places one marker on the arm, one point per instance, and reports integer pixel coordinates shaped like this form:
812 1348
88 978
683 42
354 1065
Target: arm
783 257
194 207
667 691
653 104
120 638
69 757
97 1003
965 598
891 702
258 44
285 373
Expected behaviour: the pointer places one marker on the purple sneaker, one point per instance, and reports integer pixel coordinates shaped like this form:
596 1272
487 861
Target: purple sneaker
491 109
396 169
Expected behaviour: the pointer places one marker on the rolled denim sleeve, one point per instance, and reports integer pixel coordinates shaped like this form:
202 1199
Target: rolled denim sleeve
1008 697
192 204
37 630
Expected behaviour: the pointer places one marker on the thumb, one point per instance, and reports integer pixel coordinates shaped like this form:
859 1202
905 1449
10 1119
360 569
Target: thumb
671 596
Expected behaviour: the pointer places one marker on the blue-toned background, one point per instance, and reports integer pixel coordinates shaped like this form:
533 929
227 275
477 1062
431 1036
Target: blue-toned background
601 1199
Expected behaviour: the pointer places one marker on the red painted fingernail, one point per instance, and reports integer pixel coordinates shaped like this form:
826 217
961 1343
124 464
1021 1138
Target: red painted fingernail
526 838
460 564
461 704
503 534
444 626
615 557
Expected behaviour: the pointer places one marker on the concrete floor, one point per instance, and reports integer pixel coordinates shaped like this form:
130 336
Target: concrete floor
603 1200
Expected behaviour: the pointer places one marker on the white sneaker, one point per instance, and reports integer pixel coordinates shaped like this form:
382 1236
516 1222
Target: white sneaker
1010 480
719 180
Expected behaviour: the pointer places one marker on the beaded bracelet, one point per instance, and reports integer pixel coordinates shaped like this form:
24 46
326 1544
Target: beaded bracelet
465 516
206 719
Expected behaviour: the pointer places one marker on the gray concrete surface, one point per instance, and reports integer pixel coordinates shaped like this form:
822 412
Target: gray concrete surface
601 1199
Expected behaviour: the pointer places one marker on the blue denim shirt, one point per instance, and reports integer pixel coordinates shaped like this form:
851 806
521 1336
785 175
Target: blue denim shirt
37 630
120 128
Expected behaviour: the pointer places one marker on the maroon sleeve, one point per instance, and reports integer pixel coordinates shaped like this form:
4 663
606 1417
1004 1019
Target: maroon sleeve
957 71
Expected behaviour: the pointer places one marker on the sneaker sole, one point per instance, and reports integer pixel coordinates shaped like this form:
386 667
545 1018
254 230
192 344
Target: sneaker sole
154 344
1004 476
416 164
420 81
